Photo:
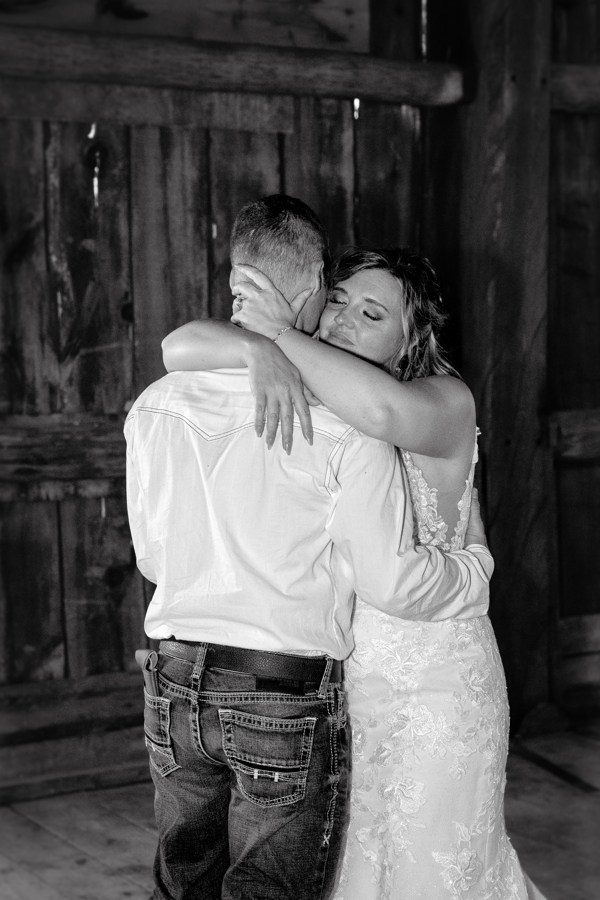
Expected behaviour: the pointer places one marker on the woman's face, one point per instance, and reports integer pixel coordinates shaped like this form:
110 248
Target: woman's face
364 315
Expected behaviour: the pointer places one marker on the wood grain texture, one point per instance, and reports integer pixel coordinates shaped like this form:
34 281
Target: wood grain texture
51 710
103 595
40 448
575 434
575 88
31 602
503 223
63 101
166 63
170 221
243 167
331 24
574 319
388 173
88 249
28 346
319 164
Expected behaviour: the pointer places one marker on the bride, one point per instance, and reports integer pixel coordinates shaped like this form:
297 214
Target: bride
427 700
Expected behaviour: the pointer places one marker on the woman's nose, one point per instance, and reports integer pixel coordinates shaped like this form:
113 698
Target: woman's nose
343 317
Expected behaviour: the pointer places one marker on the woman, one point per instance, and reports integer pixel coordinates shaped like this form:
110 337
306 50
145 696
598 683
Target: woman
427 701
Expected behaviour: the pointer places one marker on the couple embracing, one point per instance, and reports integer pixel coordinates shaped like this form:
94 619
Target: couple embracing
316 582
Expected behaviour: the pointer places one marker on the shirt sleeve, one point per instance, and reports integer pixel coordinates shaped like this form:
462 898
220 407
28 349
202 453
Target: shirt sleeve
371 526
137 513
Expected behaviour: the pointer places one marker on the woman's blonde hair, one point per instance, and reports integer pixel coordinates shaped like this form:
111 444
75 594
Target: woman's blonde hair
420 353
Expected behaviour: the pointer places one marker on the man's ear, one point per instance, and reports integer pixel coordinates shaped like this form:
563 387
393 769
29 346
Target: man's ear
320 278
232 278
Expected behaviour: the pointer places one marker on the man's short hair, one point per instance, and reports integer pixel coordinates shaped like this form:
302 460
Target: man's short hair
282 236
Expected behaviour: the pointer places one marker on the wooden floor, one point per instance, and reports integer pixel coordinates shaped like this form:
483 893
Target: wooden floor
99 845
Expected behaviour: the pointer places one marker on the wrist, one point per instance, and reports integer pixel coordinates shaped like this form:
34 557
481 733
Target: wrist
253 344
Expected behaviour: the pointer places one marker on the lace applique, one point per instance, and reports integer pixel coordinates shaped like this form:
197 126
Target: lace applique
430 527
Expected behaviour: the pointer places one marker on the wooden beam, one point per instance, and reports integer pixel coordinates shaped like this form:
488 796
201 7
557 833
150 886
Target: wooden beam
575 434
47 448
64 101
211 66
504 298
575 88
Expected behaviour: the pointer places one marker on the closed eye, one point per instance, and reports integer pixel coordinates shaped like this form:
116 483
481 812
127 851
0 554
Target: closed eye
372 318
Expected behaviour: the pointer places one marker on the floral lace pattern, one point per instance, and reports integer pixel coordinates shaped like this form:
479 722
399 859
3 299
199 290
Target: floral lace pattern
429 718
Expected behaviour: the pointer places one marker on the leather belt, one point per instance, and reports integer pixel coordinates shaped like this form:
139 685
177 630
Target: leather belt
256 662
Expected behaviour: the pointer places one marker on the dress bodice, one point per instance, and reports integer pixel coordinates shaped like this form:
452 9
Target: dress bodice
430 527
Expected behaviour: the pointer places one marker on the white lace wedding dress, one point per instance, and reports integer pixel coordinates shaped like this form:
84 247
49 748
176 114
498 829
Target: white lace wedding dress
429 718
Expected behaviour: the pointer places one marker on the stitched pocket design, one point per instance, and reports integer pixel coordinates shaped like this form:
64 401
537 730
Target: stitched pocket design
157 724
270 757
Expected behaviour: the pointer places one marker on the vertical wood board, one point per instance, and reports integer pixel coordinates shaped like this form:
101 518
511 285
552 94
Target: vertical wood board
388 174
88 242
243 167
104 605
169 211
31 600
505 147
319 164
28 325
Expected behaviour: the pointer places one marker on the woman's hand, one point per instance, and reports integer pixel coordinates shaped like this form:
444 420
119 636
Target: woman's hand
260 307
278 391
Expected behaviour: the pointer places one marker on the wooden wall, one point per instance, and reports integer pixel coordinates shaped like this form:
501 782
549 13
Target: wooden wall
98 266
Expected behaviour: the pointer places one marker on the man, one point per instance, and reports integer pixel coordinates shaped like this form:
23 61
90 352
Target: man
256 556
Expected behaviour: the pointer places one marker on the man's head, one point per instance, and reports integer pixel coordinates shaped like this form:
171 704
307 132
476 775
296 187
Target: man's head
285 239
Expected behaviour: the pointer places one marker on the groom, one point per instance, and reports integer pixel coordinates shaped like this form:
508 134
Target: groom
256 556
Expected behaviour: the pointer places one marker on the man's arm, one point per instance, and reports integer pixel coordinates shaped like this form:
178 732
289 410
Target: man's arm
372 527
136 513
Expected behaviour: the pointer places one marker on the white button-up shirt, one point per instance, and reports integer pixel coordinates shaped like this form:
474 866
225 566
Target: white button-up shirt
253 548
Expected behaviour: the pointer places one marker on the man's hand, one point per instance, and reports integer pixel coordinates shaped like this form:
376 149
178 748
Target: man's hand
278 391
475 533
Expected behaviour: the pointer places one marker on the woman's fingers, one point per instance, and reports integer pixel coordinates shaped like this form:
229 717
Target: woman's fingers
254 276
272 423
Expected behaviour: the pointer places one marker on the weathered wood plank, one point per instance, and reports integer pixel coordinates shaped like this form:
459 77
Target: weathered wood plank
575 89
387 154
103 594
31 597
43 448
45 710
574 318
64 101
135 803
579 634
319 164
115 59
575 434
79 820
169 204
28 326
503 259
28 491
243 167
58 864
332 24
88 244
19 883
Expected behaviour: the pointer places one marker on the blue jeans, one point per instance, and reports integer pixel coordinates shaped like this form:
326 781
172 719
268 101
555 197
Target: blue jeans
250 785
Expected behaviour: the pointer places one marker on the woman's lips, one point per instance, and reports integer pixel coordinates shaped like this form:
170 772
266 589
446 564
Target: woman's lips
337 337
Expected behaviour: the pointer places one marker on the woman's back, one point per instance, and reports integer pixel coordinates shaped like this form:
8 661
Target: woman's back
441 496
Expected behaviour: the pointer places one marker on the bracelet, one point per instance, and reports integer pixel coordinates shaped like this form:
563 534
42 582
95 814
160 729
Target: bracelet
283 331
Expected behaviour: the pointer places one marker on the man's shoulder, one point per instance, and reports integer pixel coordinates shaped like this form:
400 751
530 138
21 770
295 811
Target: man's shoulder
181 387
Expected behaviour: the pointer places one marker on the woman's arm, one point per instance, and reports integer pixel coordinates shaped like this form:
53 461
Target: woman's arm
274 381
433 416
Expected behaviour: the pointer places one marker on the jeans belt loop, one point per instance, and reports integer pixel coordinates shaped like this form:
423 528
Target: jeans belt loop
198 667
322 692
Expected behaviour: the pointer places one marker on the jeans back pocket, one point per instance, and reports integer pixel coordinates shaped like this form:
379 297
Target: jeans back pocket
270 757
157 731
